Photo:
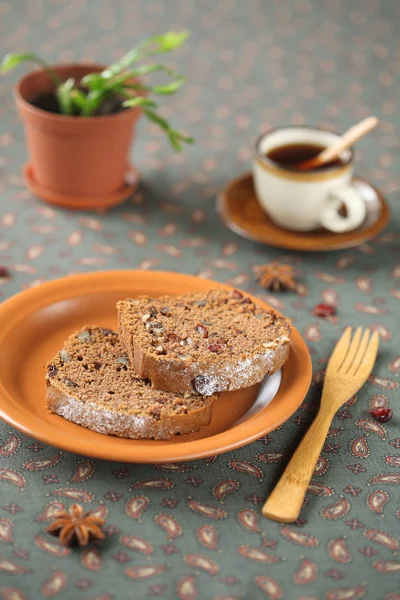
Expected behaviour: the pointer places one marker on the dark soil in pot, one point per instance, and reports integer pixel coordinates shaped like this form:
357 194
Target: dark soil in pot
49 103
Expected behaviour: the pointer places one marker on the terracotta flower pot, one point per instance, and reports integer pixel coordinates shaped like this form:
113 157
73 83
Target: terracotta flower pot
77 162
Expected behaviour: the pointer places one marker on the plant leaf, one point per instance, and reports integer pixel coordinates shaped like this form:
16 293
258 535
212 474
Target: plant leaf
93 100
156 118
64 96
78 98
94 81
137 100
168 88
154 45
135 86
10 61
168 41
175 137
145 69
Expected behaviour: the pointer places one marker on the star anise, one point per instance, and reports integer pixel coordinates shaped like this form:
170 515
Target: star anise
76 526
275 276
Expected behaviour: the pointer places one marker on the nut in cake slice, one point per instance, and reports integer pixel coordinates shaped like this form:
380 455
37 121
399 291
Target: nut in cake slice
203 343
91 383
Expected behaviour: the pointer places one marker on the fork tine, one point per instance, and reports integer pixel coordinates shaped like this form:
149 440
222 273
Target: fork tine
361 352
352 353
340 351
368 360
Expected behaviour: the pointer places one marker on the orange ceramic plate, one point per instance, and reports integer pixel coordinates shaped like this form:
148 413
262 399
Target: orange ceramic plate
33 326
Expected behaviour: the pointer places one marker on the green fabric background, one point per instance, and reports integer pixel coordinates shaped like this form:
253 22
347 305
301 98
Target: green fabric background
252 65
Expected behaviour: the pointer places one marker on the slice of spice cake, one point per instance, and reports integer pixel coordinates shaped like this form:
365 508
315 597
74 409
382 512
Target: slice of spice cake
91 382
202 343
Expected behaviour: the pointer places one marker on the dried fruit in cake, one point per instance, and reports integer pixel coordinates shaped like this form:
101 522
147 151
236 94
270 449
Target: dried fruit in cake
206 343
91 382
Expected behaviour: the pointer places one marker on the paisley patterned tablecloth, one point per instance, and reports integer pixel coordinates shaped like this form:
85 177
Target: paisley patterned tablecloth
194 531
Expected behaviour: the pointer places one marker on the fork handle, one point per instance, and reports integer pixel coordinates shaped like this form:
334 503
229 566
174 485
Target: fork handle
286 500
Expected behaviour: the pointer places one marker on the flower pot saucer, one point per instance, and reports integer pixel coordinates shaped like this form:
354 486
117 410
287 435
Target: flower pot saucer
83 202
241 212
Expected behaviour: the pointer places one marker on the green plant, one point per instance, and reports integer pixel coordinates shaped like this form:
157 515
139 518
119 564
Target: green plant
122 79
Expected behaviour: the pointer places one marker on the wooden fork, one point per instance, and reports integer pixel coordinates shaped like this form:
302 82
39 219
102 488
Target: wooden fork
348 369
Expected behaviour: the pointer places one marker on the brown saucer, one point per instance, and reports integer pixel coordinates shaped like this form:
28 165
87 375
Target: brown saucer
241 212
83 202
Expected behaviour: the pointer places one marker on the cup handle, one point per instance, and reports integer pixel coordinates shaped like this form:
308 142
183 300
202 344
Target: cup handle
332 220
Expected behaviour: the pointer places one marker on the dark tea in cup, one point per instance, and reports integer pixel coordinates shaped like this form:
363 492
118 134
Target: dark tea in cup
290 155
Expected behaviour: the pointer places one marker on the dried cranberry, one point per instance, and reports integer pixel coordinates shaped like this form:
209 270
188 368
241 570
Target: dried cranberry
216 347
203 331
237 330
52 370
236 295
4 272
324 310
381 414
246 300
171 336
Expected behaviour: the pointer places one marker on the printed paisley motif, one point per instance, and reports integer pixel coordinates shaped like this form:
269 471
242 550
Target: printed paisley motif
133 542
186 588
386 478
54 584
383 538
372 427
247 468
338 550
13 477
298 538
377 500
136 506
206 510
198 561
10 446
359 447
207 536
346 593
306 573
248 519
337 510
258 555
270 587
225 488
84 470
169 524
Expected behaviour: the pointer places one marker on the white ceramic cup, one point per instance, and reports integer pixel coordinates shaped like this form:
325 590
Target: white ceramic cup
306 200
